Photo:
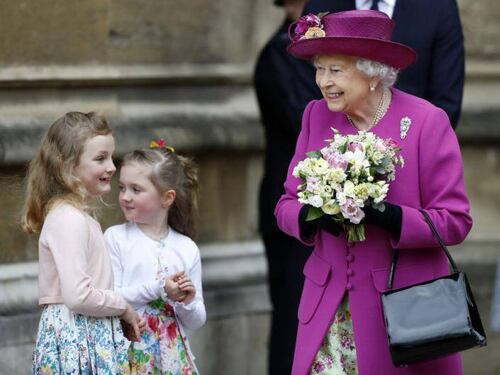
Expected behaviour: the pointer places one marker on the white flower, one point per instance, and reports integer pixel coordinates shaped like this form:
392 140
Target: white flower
315 201
349 189
320 166
296 170
357 159
337 176
331 207
341 197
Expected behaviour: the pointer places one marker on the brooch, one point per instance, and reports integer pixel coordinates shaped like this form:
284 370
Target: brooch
404 127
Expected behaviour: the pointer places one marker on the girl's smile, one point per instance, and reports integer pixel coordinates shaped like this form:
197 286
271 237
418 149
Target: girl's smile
95 167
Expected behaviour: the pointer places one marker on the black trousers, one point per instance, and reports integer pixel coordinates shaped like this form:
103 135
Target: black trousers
286 258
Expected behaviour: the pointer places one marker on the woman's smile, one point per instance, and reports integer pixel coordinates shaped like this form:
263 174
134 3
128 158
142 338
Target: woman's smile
334 95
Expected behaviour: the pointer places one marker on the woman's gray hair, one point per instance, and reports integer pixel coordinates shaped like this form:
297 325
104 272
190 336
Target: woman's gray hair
387 74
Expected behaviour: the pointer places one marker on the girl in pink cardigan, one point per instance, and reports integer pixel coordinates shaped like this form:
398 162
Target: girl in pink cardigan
79 330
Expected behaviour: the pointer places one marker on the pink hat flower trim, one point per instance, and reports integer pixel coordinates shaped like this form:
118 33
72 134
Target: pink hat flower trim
308 27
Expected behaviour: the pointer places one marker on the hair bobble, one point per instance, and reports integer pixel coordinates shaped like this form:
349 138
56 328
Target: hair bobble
161 144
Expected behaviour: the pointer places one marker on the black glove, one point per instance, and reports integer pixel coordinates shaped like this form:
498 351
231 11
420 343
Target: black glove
325 222
390 219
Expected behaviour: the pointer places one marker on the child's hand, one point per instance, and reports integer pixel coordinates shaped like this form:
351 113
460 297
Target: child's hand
134 325
187 286
142 324
172 287
129 332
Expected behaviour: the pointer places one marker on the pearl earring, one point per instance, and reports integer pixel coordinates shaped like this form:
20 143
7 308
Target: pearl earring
372 88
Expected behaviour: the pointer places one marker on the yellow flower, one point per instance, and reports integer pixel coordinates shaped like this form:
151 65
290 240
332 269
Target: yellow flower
314 32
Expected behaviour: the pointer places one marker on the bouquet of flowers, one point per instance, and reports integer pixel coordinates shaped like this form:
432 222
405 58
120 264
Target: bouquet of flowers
353 171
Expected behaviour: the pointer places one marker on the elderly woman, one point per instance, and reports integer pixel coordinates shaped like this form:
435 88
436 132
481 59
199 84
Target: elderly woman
341 328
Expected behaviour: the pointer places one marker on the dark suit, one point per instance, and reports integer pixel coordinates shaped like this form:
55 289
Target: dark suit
433 29
284 86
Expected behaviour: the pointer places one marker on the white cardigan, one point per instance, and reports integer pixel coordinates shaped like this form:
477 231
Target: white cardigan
138 261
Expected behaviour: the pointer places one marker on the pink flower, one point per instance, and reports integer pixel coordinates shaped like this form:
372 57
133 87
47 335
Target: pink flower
345 341
391 143
312 183
301 27
336 160
312 19
380 146
329 361
353 146
351 211
318 367
304 23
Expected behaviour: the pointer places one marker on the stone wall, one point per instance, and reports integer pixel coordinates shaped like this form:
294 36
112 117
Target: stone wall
128 32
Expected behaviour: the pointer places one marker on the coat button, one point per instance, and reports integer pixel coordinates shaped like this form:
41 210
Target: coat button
350 257
349 272
348 286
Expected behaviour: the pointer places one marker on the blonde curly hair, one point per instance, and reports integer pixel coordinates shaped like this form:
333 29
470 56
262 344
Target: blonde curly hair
51 172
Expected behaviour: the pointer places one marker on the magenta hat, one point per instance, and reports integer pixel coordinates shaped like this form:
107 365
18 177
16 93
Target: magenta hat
361 33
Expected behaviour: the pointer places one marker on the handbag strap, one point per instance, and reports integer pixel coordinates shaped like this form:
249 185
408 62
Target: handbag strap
395 254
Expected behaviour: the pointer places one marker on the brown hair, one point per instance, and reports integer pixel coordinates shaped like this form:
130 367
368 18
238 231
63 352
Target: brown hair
171 171
50 175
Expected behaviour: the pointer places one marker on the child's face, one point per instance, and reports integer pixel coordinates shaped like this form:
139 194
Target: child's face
140 200
95 166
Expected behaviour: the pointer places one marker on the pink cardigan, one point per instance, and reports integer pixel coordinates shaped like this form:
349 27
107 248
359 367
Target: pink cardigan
74 265
432 179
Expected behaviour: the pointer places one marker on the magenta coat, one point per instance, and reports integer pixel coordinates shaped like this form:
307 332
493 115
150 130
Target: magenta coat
432 179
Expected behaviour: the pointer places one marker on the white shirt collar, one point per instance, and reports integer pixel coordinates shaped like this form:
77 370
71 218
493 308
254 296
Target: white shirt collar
386 6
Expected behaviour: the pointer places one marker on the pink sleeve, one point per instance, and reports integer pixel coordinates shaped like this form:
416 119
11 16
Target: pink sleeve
68 238
442 189
288 207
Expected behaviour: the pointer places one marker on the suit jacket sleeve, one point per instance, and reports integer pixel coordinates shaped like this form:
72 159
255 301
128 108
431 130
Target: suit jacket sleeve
288 207
446 79
442 189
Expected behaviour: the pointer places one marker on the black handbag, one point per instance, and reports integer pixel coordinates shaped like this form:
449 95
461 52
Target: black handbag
433 318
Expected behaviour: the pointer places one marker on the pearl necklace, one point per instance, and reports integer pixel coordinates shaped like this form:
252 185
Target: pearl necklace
382 108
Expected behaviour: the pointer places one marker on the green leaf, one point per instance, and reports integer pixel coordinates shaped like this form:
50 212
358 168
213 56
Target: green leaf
313 213
314 154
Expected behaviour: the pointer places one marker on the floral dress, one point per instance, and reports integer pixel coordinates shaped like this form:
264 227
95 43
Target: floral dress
69 343
163 349
337 354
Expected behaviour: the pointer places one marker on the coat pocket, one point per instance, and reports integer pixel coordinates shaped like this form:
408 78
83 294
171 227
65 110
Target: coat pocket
404 276
316 272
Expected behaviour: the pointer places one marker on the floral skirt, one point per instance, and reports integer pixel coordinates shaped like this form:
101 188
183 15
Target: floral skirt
163 349
337 354
70 343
